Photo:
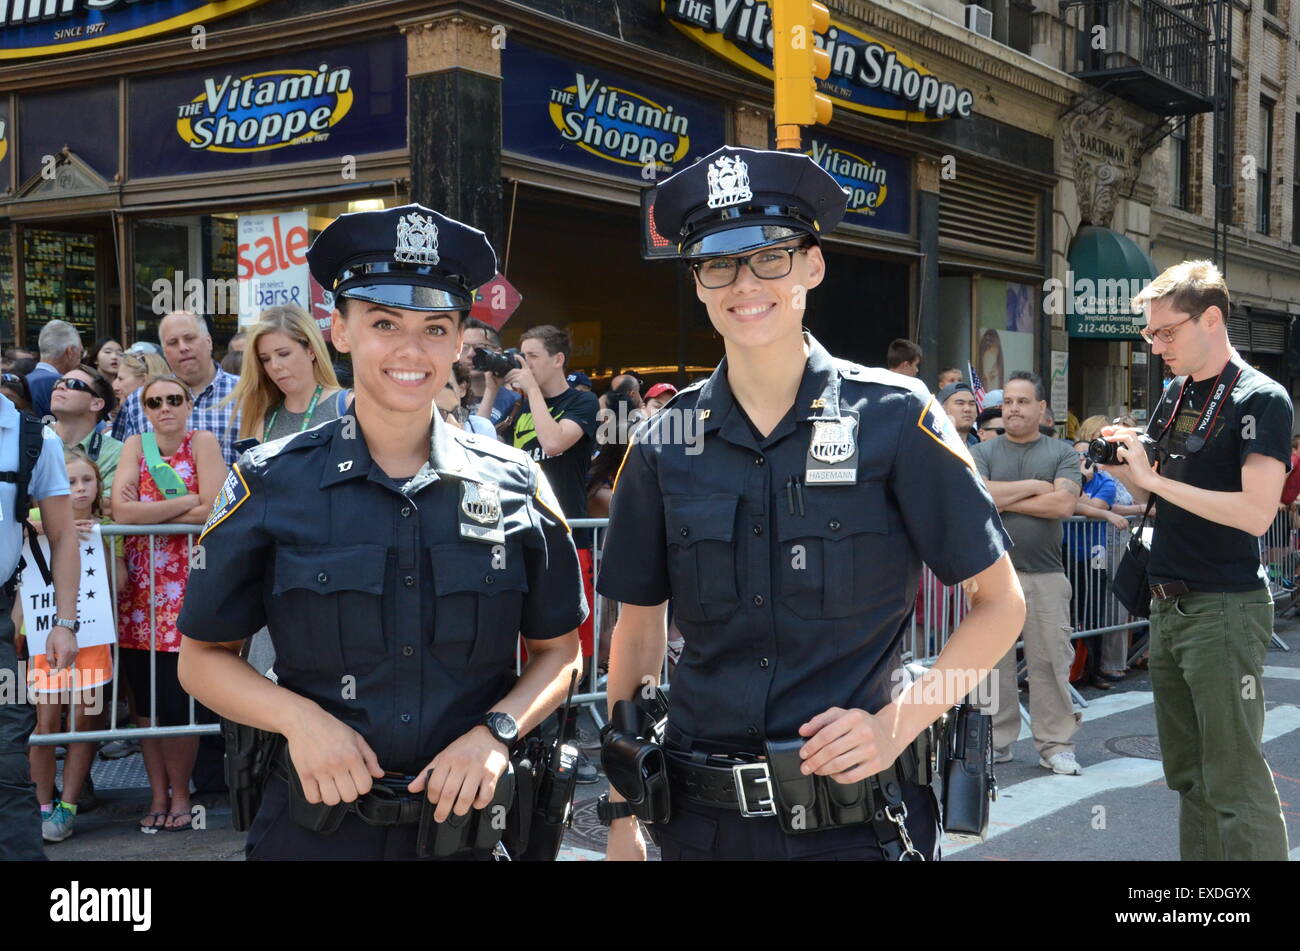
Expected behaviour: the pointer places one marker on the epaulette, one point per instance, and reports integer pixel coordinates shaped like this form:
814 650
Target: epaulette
261 454
683 391
491 447
860 374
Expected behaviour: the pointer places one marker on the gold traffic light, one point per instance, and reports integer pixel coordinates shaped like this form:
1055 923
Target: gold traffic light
797 64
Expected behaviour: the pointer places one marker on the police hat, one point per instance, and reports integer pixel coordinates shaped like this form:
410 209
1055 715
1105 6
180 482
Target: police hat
737 200
409 257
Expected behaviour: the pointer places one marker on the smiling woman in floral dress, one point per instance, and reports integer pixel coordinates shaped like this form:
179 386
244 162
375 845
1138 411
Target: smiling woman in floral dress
180 485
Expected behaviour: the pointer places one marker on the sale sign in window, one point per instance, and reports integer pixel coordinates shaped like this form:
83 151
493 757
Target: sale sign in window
272 263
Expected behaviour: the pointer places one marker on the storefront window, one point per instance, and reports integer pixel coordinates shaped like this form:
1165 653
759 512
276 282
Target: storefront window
194 263
8 290
59 281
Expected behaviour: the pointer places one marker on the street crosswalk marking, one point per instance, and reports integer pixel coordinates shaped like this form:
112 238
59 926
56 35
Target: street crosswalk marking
1033 799
1103 707
1283 673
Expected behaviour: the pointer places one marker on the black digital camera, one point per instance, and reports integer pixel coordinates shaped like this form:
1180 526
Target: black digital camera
1103 452
498 364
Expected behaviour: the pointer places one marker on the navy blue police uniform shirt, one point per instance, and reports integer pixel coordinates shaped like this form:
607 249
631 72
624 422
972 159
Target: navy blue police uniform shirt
790 606
379 608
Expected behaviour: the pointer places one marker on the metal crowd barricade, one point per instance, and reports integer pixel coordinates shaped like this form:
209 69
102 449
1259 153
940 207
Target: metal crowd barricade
1279 553
113 731
1091 549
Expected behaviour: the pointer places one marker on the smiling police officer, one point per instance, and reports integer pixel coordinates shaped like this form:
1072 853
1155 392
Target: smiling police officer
395 561
791 548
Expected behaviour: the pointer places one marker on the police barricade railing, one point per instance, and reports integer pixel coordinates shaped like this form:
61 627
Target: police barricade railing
1091 548
109 694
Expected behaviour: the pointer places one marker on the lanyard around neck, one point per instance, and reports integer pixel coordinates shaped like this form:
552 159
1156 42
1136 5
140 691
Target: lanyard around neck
306 419
1197 438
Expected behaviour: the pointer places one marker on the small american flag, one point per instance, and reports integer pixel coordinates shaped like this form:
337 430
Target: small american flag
977 386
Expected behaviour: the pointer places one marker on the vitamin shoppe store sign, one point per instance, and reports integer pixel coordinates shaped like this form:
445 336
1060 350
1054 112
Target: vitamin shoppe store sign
867 75
31 28
589 117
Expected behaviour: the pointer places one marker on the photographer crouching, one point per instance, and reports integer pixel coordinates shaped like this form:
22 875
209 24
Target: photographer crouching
1220 440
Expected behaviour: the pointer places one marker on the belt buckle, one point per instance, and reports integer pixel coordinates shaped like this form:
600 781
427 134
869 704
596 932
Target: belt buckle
768 805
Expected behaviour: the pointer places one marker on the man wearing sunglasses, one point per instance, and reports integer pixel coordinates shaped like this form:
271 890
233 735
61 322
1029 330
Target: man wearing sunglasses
82 399
989 423
1225 429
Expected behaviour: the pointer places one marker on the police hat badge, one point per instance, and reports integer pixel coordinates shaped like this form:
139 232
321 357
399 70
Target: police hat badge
728 182
417 240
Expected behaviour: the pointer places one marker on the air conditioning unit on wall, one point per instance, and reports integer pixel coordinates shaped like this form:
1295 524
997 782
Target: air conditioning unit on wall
979 20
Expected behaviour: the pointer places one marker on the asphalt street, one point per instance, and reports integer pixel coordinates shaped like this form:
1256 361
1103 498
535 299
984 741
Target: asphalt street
1118 810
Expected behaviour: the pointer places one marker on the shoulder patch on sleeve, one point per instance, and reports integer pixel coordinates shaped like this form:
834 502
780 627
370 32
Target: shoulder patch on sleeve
937 424
234 492
545 497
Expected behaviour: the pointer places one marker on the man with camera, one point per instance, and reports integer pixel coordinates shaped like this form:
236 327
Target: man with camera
1215 455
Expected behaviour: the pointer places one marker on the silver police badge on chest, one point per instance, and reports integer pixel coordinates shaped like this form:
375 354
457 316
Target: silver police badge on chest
480 512
833 451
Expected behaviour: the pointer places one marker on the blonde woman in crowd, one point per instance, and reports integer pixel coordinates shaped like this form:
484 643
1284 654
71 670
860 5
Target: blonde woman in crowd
287 383
133 368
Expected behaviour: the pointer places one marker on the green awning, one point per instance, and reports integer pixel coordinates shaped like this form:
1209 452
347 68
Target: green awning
1106 270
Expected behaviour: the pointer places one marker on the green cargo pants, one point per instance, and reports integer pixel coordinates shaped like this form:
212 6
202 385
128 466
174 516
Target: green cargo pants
1207 666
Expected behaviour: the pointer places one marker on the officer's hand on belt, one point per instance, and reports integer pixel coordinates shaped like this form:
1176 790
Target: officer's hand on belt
464 775
847 745
60 648
334 762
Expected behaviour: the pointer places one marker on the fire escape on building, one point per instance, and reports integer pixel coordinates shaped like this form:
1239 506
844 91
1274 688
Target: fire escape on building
1173 59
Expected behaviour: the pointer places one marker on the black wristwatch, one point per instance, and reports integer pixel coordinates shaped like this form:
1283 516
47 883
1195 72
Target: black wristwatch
607 812
503 727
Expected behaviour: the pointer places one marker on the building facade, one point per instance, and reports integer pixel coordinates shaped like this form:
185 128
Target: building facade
132 151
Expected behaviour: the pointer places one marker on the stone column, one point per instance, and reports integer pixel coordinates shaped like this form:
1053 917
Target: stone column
453 80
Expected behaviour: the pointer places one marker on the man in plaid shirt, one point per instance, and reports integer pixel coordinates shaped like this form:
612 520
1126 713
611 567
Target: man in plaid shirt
187 345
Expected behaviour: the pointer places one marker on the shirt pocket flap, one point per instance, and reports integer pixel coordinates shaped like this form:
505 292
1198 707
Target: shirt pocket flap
703 518
487 570
330 570
861 509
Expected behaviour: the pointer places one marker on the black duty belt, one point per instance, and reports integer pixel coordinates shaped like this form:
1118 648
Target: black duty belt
1170 589
388 803
744 781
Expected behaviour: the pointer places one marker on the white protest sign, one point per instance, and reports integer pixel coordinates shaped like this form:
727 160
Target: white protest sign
94 603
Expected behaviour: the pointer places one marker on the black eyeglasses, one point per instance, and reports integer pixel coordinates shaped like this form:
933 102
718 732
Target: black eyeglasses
156 402
770 264
72 383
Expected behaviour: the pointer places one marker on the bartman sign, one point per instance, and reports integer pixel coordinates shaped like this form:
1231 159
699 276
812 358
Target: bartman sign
48 27
866 75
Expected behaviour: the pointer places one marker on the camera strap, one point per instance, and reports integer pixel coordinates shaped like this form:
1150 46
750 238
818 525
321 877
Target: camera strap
1227 379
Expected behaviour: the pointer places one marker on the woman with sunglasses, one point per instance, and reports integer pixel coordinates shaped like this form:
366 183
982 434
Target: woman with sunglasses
14 386
790 540
169 475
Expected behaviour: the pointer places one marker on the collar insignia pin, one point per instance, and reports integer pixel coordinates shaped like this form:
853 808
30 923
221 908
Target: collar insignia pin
345 466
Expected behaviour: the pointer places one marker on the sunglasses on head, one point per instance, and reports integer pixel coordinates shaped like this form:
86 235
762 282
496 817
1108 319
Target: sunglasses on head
995 431
72 383
10 379
156 402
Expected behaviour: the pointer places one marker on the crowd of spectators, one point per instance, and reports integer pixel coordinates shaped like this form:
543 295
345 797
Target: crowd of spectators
151 429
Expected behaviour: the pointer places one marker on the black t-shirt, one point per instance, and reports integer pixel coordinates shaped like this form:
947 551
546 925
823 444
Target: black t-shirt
1256 417
567 472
